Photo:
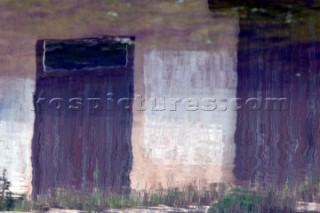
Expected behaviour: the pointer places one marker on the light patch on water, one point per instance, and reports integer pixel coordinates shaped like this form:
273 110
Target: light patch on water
184 143
189 137
185 139
16 130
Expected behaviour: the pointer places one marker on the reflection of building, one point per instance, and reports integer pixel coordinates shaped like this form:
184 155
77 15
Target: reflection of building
195 31
183 146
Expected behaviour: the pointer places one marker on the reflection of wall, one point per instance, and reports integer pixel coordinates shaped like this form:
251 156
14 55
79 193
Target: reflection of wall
185 136
187 139
155 24
178 148
16 128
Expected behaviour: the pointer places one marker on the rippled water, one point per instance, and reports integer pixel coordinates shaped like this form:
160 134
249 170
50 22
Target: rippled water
185 50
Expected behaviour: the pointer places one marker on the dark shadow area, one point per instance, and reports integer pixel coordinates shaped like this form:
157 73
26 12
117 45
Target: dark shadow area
278 57
218 4
276 145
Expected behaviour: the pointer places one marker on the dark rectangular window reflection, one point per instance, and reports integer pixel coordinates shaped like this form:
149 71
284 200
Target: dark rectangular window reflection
84 54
